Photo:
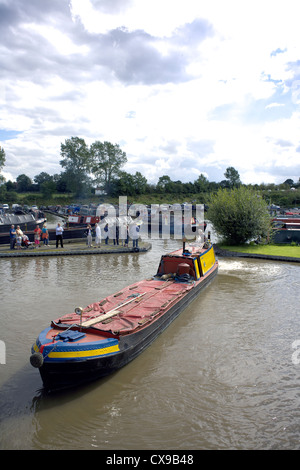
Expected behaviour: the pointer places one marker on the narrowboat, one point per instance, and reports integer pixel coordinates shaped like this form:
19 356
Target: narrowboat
25 221
287 233
95 341
286 229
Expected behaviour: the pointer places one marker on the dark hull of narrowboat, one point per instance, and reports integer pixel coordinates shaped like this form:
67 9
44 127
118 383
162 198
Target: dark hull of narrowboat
63 375
287 236
28 225
24 221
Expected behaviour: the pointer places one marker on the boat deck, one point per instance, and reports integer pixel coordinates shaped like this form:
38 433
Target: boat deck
135 306
129 309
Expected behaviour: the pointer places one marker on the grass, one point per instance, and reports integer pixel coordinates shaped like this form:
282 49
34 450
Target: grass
68 198
271 250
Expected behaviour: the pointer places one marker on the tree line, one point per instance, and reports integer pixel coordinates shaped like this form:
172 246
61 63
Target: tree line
101 165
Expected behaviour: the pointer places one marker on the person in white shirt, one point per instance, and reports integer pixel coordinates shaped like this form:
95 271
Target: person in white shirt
59 235
98 235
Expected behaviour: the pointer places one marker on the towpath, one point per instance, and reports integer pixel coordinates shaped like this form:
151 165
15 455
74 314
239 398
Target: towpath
72 248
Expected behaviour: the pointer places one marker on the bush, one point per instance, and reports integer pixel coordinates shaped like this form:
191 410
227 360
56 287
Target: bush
239 215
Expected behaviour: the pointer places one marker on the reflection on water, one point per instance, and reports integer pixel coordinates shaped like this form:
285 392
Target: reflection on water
220 377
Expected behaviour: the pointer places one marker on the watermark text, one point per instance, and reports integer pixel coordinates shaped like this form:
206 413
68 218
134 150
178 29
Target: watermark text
2 352
155 221
296 354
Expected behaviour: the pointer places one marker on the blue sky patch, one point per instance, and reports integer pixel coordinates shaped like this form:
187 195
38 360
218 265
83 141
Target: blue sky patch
8 135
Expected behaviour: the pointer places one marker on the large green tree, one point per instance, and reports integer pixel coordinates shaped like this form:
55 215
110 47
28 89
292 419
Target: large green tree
76 159
238 215
107 161
24 183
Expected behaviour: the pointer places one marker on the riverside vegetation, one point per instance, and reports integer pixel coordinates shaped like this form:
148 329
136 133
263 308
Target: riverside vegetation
100 166
237 211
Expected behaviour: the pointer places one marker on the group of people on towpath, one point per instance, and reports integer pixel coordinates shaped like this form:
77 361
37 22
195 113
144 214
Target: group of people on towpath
18 238
41 236
111 232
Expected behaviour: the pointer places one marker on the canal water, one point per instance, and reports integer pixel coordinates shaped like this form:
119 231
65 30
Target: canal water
224 375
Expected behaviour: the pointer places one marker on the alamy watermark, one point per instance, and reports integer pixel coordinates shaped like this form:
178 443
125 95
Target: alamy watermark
155 221
296 354
2 352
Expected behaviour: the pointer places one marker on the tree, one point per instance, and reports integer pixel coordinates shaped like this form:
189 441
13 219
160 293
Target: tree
164 184
238 215
107 160
224 184
233 177
289 182
11 185
24 183
41 178
2 162
139 183
61 181
77 163
201 184
129 184
47 188
124 184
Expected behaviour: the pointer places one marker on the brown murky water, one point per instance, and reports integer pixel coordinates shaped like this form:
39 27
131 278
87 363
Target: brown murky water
222 376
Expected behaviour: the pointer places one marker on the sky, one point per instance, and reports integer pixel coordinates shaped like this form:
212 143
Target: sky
183 87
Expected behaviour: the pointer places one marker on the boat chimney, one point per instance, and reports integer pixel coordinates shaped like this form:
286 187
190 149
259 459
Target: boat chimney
183 269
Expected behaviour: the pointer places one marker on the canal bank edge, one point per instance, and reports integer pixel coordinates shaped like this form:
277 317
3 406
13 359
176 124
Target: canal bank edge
70 250
236 254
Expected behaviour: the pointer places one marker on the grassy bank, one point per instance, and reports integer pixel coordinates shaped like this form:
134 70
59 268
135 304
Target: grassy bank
270 250
38 199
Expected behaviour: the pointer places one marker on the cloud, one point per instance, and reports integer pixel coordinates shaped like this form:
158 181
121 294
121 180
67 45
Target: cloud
283 143
274 105
183 90
111 7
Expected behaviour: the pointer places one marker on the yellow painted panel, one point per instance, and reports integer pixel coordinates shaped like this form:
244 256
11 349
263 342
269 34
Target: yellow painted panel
93 352
207 260
197 269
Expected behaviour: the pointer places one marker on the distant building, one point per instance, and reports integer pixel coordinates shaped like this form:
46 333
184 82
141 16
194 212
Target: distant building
100 192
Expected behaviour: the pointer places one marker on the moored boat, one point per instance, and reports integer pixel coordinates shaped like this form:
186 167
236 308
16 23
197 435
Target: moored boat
287 233
286 220
286 229
25 221
93 342
78 220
